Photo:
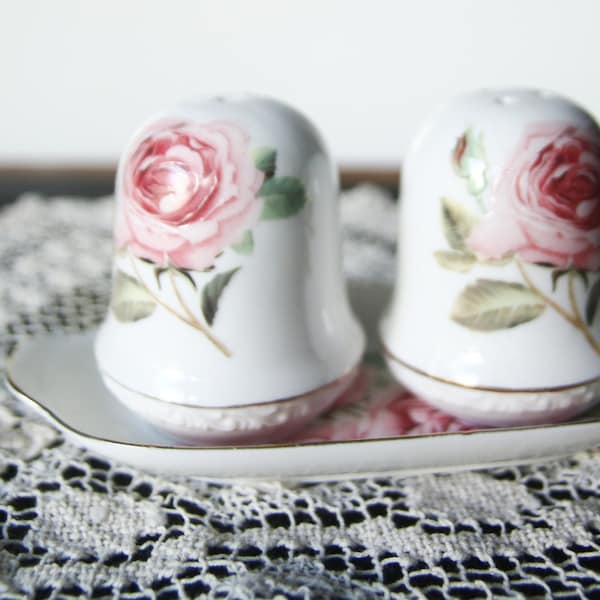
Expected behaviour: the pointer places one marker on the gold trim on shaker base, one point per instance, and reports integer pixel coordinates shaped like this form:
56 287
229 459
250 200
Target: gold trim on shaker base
500 390
350 373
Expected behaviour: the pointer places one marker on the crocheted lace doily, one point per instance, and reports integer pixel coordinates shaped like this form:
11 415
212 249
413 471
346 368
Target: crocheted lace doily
76 525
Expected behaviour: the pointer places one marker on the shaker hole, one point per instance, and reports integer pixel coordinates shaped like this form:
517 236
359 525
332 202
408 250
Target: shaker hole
506 99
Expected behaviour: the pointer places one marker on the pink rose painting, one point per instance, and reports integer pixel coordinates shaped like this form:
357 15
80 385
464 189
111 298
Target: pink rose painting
541 212
187 193
546 203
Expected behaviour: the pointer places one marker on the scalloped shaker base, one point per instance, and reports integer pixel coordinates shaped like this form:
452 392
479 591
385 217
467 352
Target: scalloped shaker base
256 423
497 408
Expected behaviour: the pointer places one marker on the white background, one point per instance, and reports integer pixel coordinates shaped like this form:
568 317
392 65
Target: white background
77 77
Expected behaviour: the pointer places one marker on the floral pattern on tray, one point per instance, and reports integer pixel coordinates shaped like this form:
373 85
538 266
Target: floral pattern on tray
376 406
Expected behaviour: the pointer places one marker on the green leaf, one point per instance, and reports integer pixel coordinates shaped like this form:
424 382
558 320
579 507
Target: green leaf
246 245
496 262
556 275
265 160
211 294
130 300
593 300
283 196
455 261
583 275
185 274
158 271
490 305
469 161
457 222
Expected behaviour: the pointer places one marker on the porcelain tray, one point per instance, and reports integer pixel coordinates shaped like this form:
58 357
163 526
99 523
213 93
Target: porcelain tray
376 428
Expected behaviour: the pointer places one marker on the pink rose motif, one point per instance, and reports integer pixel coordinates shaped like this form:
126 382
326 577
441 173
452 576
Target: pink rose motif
376 413
187 191
546 203
419 418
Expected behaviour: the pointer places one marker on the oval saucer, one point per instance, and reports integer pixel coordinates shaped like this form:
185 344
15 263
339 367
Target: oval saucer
75 400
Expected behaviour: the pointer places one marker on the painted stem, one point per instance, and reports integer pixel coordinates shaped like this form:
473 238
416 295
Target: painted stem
575 319
192 323
557 307
582 326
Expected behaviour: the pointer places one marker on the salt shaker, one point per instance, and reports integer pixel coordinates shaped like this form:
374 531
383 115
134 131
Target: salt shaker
229 320
495 316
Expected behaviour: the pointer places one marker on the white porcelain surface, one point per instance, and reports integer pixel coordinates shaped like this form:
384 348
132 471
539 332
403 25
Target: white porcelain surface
257 423
495 183
498 408
76 401
283 327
